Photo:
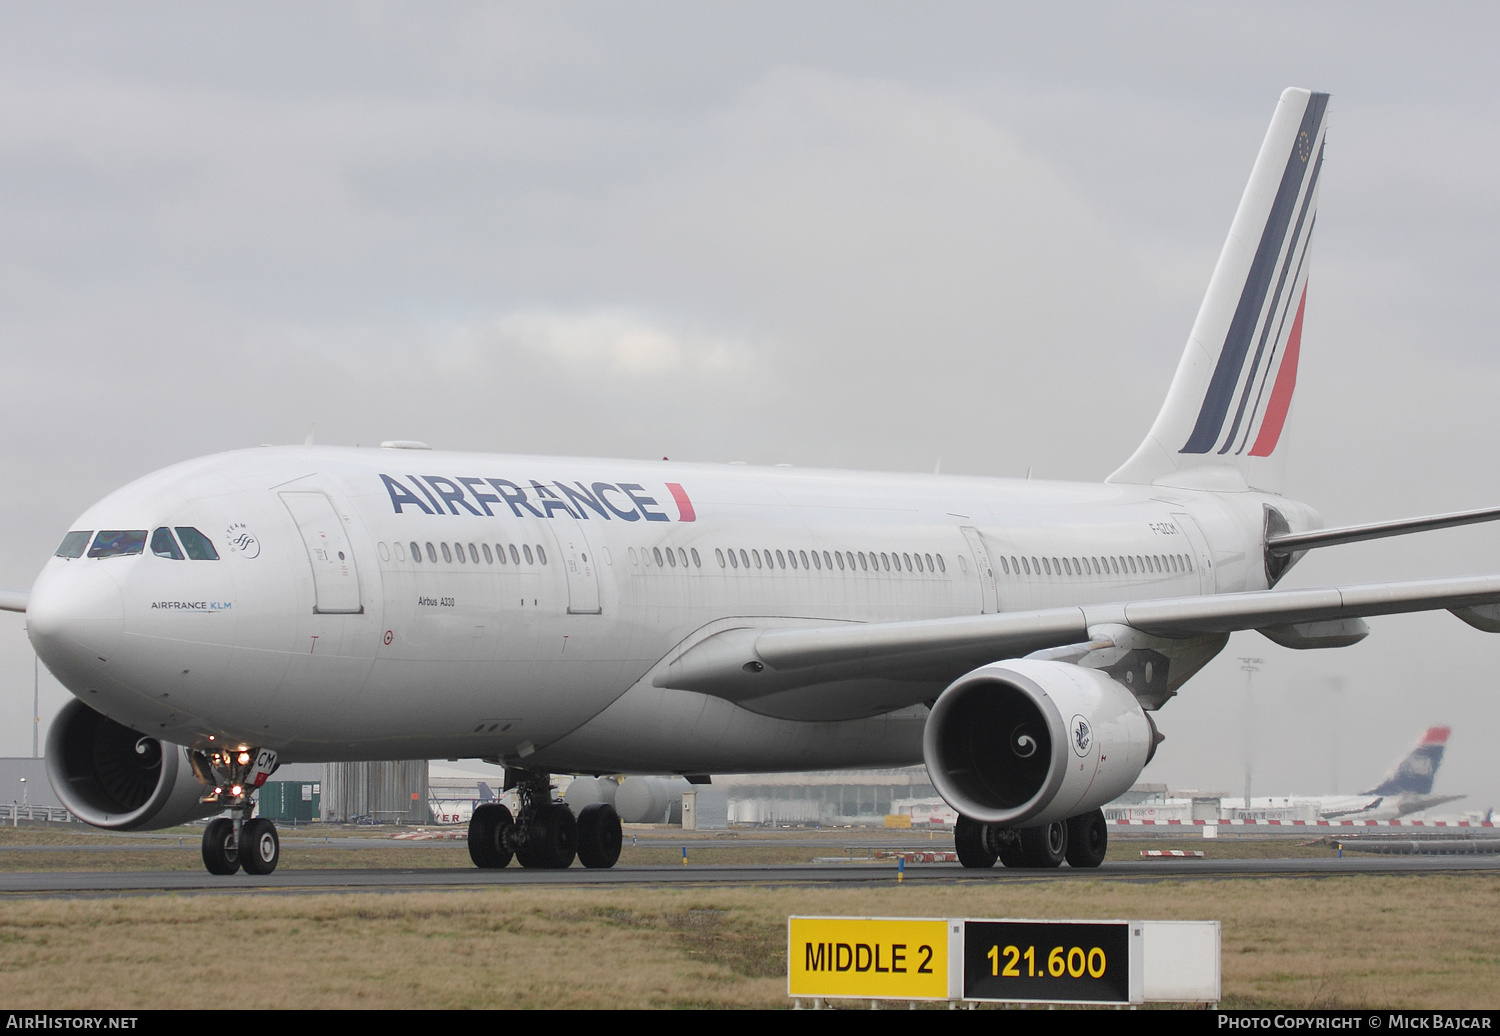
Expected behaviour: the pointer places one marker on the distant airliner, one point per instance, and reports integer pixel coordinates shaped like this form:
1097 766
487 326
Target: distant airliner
604 616
1406 789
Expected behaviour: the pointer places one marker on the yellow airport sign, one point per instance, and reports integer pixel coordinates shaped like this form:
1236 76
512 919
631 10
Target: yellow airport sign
869 957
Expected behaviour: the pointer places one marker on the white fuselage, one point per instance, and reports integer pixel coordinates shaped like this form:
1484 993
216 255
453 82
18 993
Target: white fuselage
609 568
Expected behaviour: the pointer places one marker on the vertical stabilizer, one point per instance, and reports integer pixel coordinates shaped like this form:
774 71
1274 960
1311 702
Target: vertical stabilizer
1414 774
1221 424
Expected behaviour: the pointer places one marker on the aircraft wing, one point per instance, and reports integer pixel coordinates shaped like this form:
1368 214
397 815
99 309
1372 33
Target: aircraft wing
750 662
14 600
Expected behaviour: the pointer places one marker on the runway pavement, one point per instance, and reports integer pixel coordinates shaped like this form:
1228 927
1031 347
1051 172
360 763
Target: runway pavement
62 883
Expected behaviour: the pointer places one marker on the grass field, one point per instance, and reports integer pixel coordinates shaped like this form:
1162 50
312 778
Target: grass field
1427 941
1358 941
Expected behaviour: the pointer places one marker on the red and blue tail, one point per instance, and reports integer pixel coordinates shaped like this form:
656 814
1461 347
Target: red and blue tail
1414 774
1228 404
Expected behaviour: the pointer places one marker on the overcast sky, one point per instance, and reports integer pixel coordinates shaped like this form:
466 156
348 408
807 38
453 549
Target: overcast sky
862 235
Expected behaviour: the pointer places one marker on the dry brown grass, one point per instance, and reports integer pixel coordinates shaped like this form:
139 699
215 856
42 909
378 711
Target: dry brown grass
1420 941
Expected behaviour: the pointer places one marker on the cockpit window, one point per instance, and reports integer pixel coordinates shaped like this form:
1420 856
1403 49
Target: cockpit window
114 543
197 545
74 543
164 546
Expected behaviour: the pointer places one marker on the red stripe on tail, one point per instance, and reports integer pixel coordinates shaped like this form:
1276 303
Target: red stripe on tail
1281 392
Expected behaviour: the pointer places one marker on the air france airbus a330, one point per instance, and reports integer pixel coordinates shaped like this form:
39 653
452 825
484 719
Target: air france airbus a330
603 616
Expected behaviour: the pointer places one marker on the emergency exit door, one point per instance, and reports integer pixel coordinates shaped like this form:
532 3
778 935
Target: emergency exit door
578 564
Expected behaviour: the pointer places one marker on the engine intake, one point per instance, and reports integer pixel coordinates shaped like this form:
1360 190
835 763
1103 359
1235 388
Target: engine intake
1027 742
113 777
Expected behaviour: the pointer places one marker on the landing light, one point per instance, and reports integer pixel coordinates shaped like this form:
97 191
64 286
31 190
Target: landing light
244 758
236 791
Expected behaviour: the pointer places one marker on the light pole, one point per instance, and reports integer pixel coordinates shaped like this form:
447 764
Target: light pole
36 710
1251 666
25 795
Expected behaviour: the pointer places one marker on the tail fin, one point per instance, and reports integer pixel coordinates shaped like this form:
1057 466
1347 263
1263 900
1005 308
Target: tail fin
1222 420
1414 774
486 793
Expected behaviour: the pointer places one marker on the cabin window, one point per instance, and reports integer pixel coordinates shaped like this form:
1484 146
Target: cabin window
791 556
473 554
164 546
447 554
734 561
1189 558
385 552
720 555
803 553
682 556
839 557
697 561
541 553
942 567
500 553
458 548
74 544
817 561
1004 565
416 552
671 558
526 552
780 559
862 566
400 553
744 558
489 559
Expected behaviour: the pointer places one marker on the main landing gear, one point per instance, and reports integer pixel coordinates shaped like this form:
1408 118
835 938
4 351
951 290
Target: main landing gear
1080 840
545 835
238 840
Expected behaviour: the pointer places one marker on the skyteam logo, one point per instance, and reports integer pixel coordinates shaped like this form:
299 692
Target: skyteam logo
607 501
1250 392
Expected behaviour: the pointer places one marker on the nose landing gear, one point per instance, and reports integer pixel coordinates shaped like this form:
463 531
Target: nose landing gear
545 835
239 840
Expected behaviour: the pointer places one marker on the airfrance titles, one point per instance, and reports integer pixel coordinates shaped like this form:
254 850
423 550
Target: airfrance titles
609 501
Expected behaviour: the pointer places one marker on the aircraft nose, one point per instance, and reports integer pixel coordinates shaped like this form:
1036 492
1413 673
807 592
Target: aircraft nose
75 618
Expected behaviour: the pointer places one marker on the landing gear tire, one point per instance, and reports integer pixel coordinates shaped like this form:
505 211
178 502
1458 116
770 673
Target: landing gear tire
1045 846
1088 838
599 836
489 831
974 843
1008 846
220 855
260 846
551 839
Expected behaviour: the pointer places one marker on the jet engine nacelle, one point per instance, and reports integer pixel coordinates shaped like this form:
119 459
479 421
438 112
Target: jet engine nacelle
111 776
1027 742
